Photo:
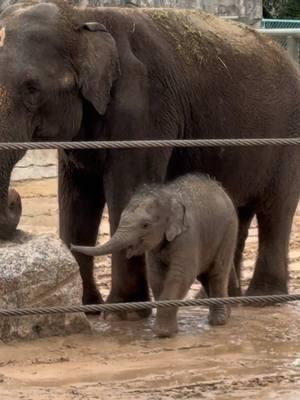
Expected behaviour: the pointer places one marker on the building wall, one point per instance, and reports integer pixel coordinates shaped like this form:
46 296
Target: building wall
36 164
246 10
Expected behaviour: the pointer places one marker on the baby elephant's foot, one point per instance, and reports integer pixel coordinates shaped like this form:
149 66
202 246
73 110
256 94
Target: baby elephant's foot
219 315
165 324
165 330
123 316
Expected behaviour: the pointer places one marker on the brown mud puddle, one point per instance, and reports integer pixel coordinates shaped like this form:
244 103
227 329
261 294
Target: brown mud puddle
256 355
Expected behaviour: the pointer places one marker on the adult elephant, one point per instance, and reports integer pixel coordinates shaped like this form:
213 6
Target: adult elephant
109 74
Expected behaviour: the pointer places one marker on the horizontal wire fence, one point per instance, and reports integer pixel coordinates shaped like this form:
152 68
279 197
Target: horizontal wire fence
139 144
117 307
148 305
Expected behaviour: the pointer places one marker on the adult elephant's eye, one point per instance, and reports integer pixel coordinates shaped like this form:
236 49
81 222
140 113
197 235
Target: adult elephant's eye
146 225
32 86
32 92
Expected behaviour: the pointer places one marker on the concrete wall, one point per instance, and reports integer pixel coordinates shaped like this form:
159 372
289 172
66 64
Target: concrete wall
250 9
246 10
43 163
36 164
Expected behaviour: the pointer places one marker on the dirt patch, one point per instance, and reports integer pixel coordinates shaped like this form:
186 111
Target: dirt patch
256 355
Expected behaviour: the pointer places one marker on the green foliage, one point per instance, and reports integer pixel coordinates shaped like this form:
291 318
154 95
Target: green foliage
290 10
285 9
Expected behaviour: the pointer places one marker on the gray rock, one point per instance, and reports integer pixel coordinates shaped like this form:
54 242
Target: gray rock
37 271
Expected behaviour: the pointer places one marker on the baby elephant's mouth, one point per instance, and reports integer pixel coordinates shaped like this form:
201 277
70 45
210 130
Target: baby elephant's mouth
135 250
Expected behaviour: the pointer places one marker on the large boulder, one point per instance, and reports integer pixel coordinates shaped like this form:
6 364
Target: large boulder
37 271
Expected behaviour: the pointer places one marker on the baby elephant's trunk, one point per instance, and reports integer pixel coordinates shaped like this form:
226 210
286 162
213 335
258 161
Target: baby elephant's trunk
118 242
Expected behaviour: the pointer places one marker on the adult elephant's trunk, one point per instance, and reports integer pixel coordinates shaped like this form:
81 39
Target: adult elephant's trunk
13 128
118 242
9 219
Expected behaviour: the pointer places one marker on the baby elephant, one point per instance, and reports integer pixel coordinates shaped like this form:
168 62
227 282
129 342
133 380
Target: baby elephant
188 230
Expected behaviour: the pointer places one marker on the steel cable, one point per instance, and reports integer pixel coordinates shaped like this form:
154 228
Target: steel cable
253 300
141 144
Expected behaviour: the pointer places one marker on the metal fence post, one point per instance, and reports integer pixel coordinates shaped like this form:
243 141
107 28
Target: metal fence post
292 47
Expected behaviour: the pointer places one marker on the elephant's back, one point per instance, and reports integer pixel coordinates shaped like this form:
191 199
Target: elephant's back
209 209
204 38
199 26
195 38
203 191
180 24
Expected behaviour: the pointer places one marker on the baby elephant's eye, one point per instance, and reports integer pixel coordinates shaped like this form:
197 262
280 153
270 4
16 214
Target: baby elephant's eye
146 225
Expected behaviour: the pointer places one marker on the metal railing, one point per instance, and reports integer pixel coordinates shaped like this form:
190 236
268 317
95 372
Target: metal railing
286 32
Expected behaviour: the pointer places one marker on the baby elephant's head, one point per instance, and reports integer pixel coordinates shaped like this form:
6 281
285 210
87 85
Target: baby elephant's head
149 218
146 220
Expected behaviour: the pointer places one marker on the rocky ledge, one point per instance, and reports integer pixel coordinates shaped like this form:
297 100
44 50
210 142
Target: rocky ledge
37 271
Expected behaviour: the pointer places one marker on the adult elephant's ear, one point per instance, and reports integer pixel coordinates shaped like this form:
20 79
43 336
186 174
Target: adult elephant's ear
98 64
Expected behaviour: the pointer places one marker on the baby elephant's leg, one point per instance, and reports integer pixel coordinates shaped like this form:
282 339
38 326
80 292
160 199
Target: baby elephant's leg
156 274
219 274
218 287
176 286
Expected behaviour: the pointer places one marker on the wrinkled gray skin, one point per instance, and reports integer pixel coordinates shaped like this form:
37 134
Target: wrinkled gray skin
188 229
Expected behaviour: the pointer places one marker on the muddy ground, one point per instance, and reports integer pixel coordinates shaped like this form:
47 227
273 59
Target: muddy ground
257 355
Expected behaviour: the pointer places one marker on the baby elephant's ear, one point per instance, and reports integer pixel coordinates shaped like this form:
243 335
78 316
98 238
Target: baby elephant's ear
177 221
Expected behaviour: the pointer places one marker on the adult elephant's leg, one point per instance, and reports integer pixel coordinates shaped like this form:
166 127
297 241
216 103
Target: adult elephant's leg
127 170
81 202
129 284
245 215
274 224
